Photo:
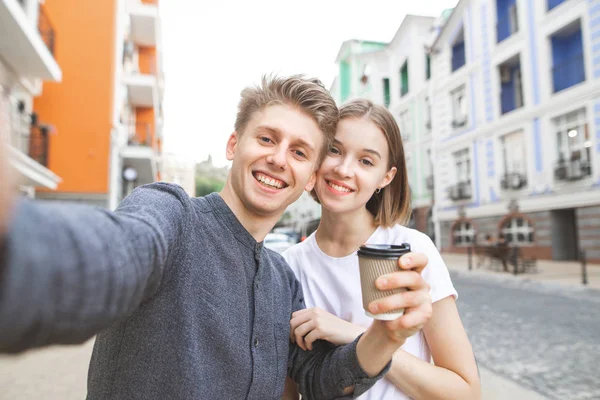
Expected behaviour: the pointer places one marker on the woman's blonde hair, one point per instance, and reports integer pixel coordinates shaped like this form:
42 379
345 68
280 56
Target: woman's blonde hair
392 204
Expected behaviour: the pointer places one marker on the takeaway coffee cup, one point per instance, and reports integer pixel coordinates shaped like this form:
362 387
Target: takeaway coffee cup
375 260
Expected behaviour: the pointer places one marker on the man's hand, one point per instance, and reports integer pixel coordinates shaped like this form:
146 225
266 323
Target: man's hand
314 323
416 301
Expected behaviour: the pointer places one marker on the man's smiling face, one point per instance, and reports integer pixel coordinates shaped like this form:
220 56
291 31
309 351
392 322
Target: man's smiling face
274 159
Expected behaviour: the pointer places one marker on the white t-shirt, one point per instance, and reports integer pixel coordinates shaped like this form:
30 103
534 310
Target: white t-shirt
333 284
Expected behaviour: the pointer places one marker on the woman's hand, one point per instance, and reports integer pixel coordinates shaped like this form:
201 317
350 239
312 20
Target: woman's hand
314 323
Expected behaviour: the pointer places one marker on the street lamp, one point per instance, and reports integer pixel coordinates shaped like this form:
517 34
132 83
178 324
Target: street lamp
130 175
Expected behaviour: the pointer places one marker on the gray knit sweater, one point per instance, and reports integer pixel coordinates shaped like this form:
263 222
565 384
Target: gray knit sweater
187 303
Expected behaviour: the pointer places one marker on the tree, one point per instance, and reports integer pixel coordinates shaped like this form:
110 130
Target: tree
207 185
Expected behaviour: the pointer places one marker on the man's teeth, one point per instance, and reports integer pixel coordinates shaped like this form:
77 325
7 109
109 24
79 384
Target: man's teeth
339 188
269 181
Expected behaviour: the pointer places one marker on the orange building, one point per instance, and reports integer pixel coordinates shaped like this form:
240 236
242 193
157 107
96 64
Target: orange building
107 110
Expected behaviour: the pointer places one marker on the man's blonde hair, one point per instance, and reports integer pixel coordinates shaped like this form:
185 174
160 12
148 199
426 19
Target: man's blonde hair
307 94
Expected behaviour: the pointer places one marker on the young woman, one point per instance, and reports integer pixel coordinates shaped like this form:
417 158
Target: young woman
363 189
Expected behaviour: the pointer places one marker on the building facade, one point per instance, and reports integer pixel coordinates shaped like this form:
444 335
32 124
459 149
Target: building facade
516 126
107 110
498 103
27 60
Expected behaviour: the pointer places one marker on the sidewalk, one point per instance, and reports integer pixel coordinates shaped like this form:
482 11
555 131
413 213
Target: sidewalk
563 273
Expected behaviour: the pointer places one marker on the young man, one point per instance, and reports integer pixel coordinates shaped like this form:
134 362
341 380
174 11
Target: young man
187 301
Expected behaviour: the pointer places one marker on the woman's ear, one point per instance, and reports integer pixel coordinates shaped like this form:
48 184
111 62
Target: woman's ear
388 177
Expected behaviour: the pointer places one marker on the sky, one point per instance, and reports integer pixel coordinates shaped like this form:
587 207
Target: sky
212 50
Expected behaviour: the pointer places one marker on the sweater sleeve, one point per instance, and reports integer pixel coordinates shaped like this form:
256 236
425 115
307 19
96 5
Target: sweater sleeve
68 271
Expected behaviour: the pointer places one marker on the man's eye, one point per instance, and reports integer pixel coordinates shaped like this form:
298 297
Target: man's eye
334 150
299 153
265 139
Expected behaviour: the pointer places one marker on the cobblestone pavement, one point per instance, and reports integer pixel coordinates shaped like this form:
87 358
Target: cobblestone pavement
544 337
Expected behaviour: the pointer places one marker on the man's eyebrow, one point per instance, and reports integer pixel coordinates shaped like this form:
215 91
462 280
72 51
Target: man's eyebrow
374 152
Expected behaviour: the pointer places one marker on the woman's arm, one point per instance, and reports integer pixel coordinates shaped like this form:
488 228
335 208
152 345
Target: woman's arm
454 375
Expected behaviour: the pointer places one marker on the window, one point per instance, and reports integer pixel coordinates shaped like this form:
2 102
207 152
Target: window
511 89
462 161
458 51
386 92
573 145
567 57
508 23
405 125
518 231
427 112
404 79
514 161
459 107
554 3
463 234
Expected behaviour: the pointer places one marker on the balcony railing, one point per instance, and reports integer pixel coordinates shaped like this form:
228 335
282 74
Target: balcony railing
513 181
459 123
46 30
568 73
141 134
34 142
572 170
460 191
508 24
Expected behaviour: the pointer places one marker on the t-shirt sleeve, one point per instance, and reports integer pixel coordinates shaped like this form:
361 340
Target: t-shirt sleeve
436 273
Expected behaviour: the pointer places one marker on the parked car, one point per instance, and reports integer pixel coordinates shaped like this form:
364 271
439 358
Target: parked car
278 242
294 236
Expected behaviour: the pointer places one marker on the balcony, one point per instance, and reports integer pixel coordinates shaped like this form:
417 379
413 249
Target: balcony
572 170
29 156
460 191
568 73
142 86
28 52
141 151
513 181
144 21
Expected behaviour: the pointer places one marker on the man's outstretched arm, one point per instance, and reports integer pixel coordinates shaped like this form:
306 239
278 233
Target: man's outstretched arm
68 271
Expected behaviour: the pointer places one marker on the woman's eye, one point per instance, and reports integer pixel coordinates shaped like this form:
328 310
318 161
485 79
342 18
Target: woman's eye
334 150
366 162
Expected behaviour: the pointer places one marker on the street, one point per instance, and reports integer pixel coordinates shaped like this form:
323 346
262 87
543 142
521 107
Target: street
544 337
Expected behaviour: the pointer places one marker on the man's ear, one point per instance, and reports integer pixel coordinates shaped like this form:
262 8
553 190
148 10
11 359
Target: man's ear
388 177
231 145
311 182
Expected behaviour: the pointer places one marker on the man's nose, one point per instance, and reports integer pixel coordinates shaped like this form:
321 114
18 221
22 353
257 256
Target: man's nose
278 157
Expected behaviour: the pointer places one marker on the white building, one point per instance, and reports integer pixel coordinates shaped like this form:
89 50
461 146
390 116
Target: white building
180 171
516 122
26 60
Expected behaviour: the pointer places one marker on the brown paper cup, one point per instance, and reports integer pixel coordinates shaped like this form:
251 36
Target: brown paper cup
375 261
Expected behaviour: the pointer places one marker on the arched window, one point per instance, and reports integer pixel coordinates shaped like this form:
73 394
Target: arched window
463 233
518 231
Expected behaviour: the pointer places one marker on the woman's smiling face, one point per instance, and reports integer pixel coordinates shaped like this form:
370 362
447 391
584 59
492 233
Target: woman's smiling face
356 165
